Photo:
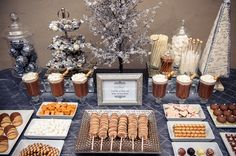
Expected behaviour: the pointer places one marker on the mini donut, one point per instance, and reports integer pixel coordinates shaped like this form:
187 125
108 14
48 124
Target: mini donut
218 112
223 107
214 106
221 119
231 119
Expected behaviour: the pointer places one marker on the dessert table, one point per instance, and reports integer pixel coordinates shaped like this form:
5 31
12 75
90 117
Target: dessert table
13 97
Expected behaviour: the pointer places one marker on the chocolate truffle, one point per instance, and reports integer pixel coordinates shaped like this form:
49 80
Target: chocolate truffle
232 106
210 152
181 151
191 151
234 149
227 136
3 143
16 119
4 120
233 144
11 132
221 119
223 107
231 119
200 152
227 112
230 139
233 135
218 112
214 106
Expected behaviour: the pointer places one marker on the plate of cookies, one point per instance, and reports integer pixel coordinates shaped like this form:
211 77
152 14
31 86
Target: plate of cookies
12 123
63 110
223 115
190 131
187 112
37 147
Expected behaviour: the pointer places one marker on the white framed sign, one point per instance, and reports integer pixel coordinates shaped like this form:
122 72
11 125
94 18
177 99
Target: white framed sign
119 88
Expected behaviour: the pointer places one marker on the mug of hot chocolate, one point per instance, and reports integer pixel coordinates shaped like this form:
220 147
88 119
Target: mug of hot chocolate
183 85
56 81
31 82
159 83
206 87
80 83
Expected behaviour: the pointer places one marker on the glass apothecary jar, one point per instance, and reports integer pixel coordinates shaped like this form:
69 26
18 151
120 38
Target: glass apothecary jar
166 65
179 43
21 49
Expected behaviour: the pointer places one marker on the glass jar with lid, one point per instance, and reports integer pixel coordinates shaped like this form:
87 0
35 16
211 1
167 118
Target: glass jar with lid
179 43
167 59
21 49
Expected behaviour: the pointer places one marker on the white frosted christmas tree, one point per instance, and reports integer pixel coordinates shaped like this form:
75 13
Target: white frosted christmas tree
122 28
215 57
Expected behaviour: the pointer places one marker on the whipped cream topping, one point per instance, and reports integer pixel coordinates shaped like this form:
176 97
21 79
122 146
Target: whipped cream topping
79 78
207 79
159 79
184 79
30 77
55 77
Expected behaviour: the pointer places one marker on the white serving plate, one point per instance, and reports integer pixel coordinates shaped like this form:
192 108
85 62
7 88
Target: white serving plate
24 143
56 136
57 116
196 145
227 145
26 115
209 134
218 124
200 118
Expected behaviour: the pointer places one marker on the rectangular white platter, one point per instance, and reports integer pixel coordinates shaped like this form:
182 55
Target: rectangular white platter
24 143
36 122
218 124
57 116
197 106
26 115
195 146
227 145
209 134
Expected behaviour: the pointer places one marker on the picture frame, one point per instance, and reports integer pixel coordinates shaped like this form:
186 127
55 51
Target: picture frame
119 88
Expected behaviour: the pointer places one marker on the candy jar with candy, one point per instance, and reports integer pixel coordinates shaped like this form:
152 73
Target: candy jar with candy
167 60
179 43
21 49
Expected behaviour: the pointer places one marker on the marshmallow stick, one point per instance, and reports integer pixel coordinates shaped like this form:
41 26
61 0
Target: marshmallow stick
101 144
142 144
111 143
132 143
92 143
121 139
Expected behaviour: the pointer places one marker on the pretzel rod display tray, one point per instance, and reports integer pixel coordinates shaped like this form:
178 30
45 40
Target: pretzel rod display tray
150 146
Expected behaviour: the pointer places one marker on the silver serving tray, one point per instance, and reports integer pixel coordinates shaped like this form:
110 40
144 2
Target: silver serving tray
151 146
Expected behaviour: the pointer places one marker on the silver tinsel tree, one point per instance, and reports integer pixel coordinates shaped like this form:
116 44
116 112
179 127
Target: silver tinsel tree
66 50
122 28
215 57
